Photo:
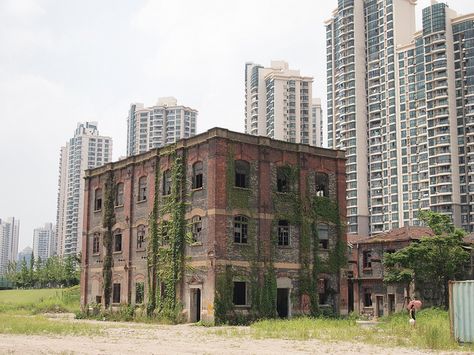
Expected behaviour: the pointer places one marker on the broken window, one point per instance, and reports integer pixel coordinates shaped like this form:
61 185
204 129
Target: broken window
96 243
240 229
367 297
141 237
139 292
197 175
367 259
142 193
196 227
323 235
242 173
98 200
322 184
167 182
119 194
283 179
283 233
118 240
116 293
322 291
240 293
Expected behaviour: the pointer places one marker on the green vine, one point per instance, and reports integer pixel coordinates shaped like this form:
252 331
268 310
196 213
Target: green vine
223 295
153 245
108 221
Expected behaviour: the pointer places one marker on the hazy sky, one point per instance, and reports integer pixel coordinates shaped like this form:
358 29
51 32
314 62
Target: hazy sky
67 61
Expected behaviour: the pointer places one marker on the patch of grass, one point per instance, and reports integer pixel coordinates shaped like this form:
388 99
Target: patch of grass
431 332
24 324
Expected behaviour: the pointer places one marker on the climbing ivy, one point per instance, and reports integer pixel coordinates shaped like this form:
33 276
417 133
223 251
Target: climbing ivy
223 295
153 245
108 221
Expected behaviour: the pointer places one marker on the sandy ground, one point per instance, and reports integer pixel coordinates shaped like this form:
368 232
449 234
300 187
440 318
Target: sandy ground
125 338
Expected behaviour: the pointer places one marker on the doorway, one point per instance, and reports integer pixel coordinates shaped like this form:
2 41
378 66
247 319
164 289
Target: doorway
391 303
282 302
350 296
379 306
195 309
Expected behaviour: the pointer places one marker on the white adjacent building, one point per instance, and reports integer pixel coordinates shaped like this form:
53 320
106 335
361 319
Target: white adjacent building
9 236
43 241
86 150
278 103
317 123
159 125
401 103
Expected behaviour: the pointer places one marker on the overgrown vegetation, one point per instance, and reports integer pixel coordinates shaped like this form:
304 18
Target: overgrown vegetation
432 261
432 331
108 221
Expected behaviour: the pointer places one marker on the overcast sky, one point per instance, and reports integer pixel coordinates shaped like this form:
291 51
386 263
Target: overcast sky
62 62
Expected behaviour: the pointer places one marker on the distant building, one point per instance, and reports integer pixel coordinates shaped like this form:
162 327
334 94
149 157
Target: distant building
159 125
278 103
9 235
317 122
26 255
43 239
86 150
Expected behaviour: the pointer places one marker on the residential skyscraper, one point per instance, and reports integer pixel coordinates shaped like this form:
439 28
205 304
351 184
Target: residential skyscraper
43 239
86 150
24 254
9 235
400 103
317 122
278 103
159 125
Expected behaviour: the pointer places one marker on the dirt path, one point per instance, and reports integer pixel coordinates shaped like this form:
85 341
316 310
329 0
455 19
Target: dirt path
124 338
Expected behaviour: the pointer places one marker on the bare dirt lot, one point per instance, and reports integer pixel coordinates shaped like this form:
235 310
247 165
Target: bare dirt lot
129 338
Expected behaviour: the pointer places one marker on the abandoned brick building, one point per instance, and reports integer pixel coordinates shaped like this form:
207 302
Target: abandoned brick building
368 294
221 223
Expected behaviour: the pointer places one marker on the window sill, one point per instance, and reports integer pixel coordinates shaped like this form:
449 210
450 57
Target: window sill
242 306
95 211
242 188
140 250
243 244
284 247
141 201
118 206
96 254
195 244
117 252
197 189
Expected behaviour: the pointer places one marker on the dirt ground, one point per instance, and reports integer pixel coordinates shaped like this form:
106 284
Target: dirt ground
126 338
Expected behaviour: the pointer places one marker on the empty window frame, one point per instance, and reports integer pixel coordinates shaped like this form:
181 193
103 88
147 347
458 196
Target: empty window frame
116 293
283 179
142 189
323 236
167 182
283 233
367 297
196 228
322 184
242 173
119 194
197 175
118 241
139 292
241 229
141 237
98 200
367 259
96 243
240 293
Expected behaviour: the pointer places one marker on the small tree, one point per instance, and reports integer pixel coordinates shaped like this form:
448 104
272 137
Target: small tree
431 261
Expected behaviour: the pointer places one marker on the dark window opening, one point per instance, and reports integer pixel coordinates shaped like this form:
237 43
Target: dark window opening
98 299
240 229
367 259
139 292
96 243
98 200
367 297
164 232
141 237
197 175
322 184
167 182
240 293
323 291
323 236
142 194
242 173
283 181
118 241
283 233
196 228
116 293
